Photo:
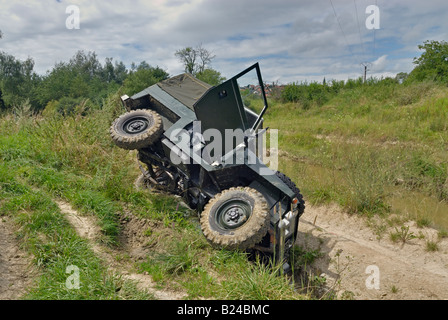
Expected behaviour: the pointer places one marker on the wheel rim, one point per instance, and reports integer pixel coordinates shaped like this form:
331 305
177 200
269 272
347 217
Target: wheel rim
233 214
136 125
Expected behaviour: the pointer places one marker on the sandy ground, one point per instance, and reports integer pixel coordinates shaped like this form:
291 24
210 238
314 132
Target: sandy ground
132 244
355 263
16 272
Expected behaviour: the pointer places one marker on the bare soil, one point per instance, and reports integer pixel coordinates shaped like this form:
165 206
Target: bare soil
16 271
358 265
133 247
355 263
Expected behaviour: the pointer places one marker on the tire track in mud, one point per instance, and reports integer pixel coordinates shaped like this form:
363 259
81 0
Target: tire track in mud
87 228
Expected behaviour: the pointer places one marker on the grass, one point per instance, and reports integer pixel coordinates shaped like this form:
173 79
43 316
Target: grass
55 246
394 289
257 282
403 234
374 152
43 159
367 147
442 234
431 246
206 273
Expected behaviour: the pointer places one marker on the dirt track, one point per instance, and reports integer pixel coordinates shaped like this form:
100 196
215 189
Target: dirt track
393 271
15 270
86 227
348 246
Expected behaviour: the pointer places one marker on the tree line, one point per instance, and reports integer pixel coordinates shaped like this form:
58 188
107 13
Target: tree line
84 78
431 65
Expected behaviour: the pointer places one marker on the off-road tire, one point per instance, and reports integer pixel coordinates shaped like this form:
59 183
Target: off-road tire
293 187
136 129
244 236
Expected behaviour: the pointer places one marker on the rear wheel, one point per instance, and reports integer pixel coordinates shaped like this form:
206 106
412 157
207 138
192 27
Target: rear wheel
236 218
293 187
136 129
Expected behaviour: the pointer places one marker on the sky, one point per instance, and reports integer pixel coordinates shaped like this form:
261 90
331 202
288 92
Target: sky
293 41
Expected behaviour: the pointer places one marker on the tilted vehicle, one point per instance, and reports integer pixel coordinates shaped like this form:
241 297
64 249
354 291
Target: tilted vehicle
241 202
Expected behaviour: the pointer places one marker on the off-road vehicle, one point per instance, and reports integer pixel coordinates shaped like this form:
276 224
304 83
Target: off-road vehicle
241 202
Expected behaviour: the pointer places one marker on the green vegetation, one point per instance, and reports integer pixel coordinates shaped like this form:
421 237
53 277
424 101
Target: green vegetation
374 148
431 246
52 157
402 235
46 234
197 62
83 79
433 62
369 146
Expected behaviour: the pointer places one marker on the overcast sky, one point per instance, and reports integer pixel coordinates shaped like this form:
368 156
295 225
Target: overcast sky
292 40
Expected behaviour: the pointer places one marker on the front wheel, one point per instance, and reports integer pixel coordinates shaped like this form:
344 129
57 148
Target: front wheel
136 129
236 218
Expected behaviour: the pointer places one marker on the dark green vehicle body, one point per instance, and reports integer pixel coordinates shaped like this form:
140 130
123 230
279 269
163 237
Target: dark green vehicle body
187 107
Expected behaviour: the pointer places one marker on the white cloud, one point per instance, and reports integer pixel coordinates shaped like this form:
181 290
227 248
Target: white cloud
380 64
293 40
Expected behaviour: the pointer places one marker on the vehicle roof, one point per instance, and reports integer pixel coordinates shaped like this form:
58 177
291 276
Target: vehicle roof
185 88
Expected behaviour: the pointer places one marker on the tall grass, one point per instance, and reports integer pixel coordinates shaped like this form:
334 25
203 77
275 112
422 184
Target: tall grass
46 158
360 148
50 157
55 246
366 144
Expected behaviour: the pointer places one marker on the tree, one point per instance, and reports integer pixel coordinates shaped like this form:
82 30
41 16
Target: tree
433 62
17 81
188 57
195 60
210 76
114 72
82 77
205 58
143 77
401 77
2 103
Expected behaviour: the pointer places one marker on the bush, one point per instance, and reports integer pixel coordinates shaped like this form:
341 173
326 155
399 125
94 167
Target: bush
314 93
143 78
67 106
306 94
